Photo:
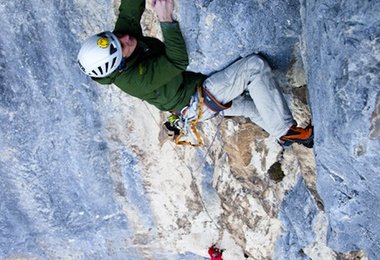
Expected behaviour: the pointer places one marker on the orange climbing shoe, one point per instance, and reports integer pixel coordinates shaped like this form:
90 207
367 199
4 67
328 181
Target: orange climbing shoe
298 135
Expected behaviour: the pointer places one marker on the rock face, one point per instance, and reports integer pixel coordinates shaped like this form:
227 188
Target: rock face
340 39
298 228
342 57
86 171
244 27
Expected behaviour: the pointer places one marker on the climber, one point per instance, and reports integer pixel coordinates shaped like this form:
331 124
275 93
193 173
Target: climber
215 253
155 71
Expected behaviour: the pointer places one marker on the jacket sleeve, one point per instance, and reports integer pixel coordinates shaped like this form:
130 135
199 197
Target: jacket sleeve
128 21
175 46
166 69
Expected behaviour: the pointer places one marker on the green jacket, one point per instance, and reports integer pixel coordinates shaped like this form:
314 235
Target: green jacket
155 72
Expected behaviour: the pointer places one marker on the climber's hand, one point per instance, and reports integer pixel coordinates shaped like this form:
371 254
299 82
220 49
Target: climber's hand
164 10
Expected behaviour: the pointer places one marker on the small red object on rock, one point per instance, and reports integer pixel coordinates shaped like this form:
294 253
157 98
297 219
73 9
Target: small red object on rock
215 253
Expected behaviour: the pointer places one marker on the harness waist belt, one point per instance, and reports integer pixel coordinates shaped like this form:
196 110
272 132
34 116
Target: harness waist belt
213 104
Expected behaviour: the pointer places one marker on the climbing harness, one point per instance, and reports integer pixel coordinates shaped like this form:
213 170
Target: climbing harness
193 125
213 104
205 98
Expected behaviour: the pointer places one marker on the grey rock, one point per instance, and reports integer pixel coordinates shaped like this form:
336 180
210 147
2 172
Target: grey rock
342 40
219 32
298 212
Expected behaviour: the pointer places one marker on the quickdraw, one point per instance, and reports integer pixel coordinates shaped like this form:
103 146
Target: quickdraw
193 124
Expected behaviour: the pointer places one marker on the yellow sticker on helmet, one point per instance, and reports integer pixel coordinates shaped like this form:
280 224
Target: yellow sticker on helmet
103 42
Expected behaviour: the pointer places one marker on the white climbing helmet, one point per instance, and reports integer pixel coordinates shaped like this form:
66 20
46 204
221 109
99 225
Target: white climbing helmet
100 55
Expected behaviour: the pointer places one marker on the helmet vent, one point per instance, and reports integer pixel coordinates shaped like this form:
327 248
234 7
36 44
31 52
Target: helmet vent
106 66
100 69
81 67
113 49
95 72
113 62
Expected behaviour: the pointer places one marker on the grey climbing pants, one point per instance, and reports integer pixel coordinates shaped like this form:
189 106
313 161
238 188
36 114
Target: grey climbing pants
265 105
